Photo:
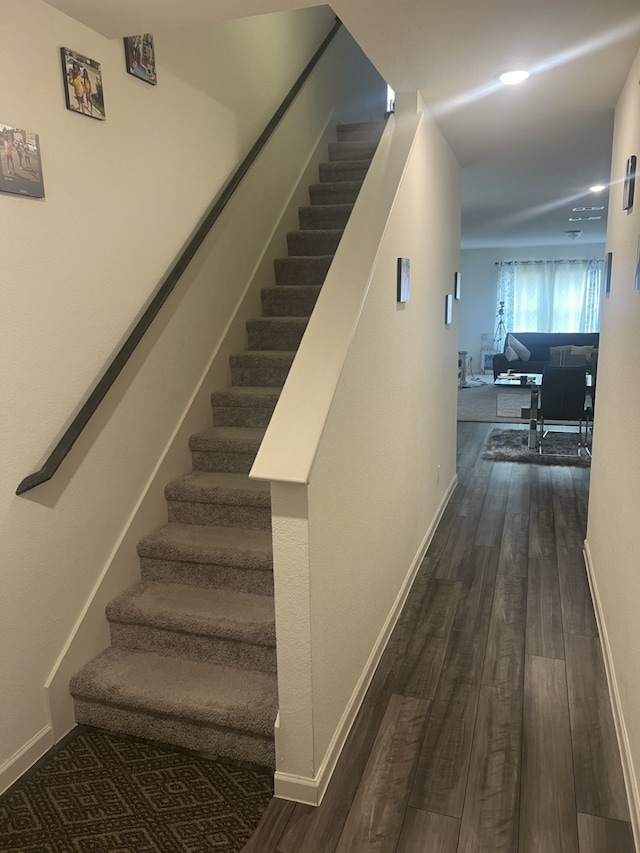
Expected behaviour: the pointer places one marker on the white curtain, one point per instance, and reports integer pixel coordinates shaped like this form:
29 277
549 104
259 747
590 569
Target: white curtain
551 296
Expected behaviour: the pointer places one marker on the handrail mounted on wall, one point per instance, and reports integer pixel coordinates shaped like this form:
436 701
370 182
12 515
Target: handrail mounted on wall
57 455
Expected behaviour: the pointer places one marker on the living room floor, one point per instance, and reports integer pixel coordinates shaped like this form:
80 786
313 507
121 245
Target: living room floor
487 726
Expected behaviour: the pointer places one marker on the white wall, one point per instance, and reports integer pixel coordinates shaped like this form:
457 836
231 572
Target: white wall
479 277
377 452
133 188
613 533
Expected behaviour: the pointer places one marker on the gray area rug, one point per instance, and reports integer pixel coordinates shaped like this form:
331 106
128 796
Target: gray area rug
480 402
559 448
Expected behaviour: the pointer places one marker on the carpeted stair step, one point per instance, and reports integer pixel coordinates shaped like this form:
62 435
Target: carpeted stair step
353 149
266 368
343 170
276 333
322 216
320 242
218 625
225 449
206 556
244 406
360 130
222 500
335 192
290 300
302 271
218 710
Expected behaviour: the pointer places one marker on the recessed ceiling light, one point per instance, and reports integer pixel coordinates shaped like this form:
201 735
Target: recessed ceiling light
512 78
583 218
597 188
583 209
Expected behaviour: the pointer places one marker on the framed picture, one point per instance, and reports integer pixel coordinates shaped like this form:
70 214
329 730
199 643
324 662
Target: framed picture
448 309
608 263
487 360
456 285
82 84
140 56
629 183
403 279
20 165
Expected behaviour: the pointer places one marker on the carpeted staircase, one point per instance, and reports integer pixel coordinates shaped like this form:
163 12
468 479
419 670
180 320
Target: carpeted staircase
192 660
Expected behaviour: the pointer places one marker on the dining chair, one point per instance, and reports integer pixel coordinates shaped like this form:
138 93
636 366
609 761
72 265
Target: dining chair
562 398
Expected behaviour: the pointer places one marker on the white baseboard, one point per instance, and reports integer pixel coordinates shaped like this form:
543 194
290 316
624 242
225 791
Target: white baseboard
630 779
24 758
310 791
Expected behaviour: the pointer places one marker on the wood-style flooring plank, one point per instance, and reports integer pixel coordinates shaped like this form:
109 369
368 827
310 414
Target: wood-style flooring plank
324 825
477 576
600 835
458 546
570 521
547 799
578 615
514 545
542 532
599 782
490 815
544 614
419 671
504 657
295 829
376 816
413 609
491 521
272 824
428 832
441 776
519 495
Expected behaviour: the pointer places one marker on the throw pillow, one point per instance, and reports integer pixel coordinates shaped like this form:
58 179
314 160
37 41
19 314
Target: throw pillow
511 354
519 348
557 355
584 351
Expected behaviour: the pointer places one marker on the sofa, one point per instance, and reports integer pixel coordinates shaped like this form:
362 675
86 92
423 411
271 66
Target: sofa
531 352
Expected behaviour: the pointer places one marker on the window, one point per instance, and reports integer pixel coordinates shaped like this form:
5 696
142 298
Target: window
551 296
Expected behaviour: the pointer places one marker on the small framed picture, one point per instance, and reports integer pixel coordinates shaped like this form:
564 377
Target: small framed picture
140 55
448 309
629 183
20 165
82 84
403 279
608 263
456 285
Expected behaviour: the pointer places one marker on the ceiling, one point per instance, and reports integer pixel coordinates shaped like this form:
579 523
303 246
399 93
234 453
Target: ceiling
528 152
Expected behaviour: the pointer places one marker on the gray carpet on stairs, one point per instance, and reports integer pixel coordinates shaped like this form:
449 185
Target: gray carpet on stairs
192 660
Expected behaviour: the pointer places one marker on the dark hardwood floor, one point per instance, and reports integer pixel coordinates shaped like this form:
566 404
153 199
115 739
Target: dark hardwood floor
487 727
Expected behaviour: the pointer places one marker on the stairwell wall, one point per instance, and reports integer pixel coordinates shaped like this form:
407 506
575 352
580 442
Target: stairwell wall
122 197
358 487
613 533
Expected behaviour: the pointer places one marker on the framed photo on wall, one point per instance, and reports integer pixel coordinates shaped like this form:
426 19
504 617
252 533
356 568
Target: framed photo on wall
448 309
140 55
82 79
629 183
456 285
20 166
403 279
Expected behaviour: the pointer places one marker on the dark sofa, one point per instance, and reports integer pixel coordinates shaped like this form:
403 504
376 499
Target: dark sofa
539 344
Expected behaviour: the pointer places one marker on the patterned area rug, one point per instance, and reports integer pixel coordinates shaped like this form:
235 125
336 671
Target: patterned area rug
559 448
102 793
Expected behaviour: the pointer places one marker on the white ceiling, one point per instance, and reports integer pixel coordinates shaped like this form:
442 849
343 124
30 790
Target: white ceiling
528 152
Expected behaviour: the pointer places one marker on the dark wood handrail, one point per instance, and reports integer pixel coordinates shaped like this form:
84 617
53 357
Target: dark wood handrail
55 458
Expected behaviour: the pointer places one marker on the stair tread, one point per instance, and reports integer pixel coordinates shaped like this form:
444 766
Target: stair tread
204 543
212 612
181 688
227 439
248 395
265 354
229 488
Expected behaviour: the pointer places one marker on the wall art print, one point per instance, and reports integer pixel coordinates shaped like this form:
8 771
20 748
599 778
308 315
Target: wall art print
628 190
20 163
140 55
82 84
403 279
